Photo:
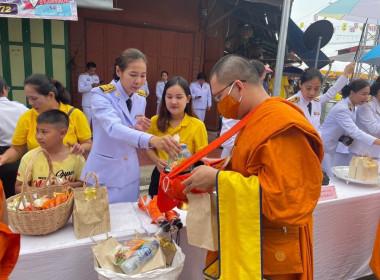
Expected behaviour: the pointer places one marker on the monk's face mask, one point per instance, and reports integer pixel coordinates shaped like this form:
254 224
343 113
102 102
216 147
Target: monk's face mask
229 107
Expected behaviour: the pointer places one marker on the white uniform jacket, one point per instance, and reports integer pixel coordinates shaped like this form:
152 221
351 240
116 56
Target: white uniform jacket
159 90
341 121
204 92
84 87
368 120
316 103
113 155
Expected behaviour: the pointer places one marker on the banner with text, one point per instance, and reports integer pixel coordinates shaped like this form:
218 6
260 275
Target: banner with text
44 9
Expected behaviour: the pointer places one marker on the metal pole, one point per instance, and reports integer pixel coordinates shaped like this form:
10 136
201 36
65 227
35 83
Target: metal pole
318 47
281 47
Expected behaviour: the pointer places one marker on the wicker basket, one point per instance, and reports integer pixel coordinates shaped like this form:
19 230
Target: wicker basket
39 222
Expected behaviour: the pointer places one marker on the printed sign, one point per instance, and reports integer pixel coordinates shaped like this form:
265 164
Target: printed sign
44 9
327 193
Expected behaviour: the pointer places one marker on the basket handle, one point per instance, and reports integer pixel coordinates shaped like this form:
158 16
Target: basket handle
25 185
88 176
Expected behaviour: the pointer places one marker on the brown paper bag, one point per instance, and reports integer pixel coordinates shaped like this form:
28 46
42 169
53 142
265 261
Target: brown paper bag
91 214
168 248
201 221
104 253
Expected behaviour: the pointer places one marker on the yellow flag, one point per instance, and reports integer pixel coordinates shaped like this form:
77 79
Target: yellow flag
361 28
344 27
302 24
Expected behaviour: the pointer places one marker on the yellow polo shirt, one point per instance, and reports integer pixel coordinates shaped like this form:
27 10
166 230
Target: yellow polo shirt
284 82
25 132
191 131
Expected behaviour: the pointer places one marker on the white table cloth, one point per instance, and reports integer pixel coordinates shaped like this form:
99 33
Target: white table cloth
60 255
344 231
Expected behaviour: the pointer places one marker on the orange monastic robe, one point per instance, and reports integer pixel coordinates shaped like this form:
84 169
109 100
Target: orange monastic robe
9 243
375 260
284 150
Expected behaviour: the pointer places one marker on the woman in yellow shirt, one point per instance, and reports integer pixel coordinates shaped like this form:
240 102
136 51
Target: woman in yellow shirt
176 116
44 94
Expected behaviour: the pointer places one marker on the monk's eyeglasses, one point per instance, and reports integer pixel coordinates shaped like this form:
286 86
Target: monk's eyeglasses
216 96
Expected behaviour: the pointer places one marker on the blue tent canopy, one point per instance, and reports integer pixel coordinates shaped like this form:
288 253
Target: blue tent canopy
295 42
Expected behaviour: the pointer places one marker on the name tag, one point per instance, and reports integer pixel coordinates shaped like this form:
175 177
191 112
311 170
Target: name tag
317 113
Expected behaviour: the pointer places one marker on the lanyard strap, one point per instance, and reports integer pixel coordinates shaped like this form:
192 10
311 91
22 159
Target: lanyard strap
212 146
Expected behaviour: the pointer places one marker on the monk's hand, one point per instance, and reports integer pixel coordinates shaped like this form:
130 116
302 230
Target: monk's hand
167 144
161 163
143 124
76 148
203 178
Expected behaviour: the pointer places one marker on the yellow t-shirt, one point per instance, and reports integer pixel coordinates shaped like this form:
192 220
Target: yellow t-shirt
68 169
284 82
191 131
25 132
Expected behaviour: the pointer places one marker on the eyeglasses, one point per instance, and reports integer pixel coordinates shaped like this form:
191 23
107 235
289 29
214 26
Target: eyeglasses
216 97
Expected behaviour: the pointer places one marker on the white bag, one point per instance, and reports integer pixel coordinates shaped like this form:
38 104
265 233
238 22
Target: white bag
170 273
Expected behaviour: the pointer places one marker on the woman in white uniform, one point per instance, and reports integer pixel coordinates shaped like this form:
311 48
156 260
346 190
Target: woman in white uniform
368 120
340 123
118 129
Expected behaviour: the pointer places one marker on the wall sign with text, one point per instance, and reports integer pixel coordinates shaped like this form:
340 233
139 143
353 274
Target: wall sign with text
45 9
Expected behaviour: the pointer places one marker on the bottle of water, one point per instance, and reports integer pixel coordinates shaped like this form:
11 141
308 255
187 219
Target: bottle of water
185 154
140 257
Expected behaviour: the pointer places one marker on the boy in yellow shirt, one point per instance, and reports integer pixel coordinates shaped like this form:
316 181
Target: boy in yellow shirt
52 127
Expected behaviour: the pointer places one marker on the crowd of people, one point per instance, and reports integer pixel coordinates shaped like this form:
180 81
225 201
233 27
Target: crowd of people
282 139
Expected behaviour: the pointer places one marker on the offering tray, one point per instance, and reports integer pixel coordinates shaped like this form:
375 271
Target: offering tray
342 173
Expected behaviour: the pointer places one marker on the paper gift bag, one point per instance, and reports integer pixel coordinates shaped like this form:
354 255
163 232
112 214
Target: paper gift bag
91 214
201 221
104 253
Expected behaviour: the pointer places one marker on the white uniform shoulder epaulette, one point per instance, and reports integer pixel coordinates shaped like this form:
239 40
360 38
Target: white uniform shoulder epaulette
369 99
316 99
84 73
107 88
294 99
142 93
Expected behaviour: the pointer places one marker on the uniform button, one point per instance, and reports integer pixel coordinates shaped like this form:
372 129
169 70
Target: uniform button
130 126
280 256
125 158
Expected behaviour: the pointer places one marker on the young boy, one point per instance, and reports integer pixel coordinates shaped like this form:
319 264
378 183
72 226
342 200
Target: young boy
52 127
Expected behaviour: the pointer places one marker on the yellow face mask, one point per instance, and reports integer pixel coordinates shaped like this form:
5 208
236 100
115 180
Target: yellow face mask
229 107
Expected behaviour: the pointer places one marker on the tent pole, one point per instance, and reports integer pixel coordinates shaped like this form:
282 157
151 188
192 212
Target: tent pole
281 47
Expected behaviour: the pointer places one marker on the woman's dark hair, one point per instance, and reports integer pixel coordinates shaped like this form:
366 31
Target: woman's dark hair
3 85
90 64
128 56
375 89
355 86
114 75
311 74
43 85
201 76
164 72
164 115
260 68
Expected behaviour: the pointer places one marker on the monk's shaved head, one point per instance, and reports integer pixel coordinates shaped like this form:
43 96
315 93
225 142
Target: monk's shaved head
234 67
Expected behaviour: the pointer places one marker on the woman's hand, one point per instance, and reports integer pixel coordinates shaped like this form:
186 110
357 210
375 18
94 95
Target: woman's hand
76 148
203 178
167 144
143 124
161 163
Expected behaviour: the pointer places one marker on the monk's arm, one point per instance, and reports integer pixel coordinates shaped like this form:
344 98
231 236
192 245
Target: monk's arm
290 176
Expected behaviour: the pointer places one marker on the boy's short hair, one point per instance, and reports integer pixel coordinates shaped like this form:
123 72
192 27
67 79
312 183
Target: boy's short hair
54 117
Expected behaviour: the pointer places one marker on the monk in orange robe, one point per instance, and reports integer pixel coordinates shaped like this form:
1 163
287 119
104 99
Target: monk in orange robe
375 260
281 148
9 241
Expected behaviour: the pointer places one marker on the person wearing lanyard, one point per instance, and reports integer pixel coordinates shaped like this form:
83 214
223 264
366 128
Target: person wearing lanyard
160 88
11 111
118 125
340 126
368 120
201 94
307 98
45 94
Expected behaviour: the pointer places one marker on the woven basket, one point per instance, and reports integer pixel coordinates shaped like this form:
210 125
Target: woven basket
39 222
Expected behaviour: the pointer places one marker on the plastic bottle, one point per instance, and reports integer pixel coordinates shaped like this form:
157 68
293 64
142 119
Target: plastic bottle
185 154
140 257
